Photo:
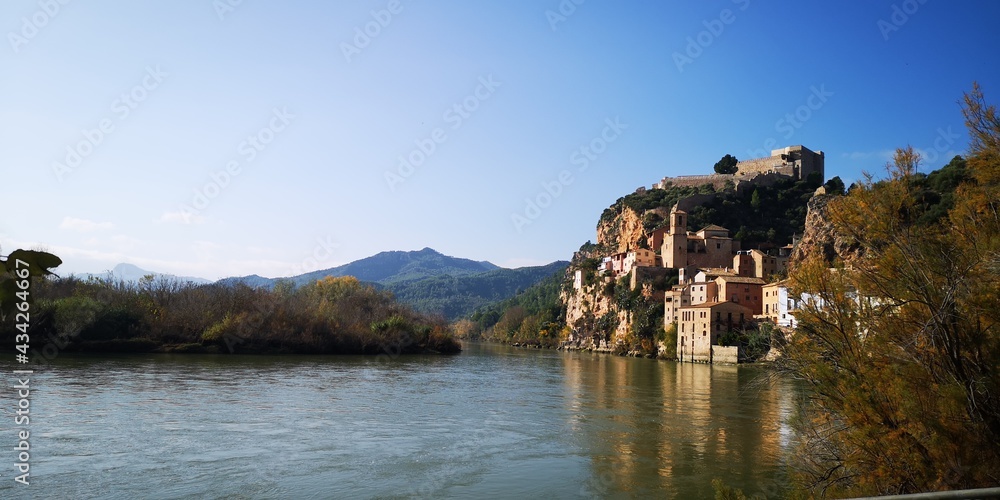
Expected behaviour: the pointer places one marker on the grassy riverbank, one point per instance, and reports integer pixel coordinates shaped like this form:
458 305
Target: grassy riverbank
330 316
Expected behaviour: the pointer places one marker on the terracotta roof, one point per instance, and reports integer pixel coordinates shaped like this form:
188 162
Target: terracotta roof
713 227
743 279
717 271
783 282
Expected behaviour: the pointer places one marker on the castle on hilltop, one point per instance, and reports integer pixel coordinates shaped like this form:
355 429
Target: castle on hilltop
797 162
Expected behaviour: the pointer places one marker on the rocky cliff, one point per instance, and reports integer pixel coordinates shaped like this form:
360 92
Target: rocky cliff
820 236
625 230
603 313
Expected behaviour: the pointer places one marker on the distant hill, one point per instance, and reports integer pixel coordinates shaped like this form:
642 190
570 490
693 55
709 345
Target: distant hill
383 268
133 274
455 297
392 267
428 280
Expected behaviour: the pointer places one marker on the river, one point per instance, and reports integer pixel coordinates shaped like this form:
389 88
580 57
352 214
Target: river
492 422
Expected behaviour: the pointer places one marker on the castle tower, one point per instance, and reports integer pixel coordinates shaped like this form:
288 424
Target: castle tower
674 250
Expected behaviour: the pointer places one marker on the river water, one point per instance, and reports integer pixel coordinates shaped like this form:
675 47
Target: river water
492 422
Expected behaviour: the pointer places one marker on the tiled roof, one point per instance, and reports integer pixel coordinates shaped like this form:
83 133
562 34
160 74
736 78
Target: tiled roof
743 279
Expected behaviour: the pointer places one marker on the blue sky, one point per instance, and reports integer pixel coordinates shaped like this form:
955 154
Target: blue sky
199 138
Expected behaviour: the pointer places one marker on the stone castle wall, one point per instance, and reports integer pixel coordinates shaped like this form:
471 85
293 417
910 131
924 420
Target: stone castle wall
759 165
716 180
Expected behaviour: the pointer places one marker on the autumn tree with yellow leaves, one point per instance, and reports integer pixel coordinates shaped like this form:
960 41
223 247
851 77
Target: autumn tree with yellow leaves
900 341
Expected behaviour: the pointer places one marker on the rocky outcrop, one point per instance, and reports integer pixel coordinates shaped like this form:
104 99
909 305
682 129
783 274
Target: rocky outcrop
625 231
820 235
585 307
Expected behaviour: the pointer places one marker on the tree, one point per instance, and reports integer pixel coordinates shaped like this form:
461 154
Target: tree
755 200
900 340
727 165
835 186
15 274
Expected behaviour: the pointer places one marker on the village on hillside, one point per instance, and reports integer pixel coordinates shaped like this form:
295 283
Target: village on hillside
721 286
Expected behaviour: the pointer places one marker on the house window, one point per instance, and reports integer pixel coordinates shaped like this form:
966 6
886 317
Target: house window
718 246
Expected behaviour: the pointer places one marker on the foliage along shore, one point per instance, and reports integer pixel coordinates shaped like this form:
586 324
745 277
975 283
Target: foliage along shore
330 316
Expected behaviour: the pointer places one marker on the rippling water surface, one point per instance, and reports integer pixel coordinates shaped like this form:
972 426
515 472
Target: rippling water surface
493 422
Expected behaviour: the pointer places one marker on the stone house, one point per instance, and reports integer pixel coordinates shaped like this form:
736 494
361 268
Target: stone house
673 300
740 290
700 326
620 264
757 264
638 258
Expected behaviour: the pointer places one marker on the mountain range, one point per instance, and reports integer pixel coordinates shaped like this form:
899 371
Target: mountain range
427 280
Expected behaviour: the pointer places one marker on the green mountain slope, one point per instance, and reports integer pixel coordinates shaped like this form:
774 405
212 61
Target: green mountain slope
458 296
391 267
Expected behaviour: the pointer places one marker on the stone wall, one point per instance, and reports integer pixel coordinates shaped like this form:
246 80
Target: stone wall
722 355
764 179
716 180
759 165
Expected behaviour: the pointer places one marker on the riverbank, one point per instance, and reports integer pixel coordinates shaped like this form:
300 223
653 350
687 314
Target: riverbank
329 316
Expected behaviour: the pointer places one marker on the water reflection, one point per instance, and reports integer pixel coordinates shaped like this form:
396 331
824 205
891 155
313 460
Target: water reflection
668 428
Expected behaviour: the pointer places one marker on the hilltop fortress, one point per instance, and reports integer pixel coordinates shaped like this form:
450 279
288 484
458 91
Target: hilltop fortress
793 161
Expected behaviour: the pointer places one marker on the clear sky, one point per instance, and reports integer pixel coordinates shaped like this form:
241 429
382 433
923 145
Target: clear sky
199 138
